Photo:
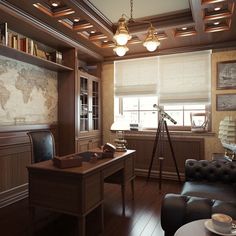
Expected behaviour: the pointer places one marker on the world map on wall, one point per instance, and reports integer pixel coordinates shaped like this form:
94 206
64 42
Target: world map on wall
28 94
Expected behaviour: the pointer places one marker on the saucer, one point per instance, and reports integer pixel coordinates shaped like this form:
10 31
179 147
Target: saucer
209 226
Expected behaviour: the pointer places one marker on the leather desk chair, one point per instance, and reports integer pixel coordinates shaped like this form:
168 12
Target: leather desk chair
42 145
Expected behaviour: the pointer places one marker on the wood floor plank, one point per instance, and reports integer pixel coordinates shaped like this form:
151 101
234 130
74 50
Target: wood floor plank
142 216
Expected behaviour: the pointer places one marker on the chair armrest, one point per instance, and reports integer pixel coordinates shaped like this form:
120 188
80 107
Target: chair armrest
214 170
177 210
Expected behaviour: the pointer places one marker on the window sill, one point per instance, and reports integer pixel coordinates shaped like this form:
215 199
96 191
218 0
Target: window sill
151 133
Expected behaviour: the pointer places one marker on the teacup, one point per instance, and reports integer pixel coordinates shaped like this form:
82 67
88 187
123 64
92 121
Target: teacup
222 223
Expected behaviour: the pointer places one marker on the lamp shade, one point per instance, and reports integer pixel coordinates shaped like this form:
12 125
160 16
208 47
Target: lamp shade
120 50
120 124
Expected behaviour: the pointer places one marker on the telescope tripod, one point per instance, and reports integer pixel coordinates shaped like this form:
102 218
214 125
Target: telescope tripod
159 141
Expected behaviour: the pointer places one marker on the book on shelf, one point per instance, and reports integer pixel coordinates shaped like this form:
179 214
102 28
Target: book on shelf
24 44
3 34
40 53
56 57
15 41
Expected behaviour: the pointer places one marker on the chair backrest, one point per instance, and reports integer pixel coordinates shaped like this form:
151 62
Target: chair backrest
42 145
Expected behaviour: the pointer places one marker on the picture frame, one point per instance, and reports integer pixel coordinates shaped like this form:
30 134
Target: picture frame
226 102
226 75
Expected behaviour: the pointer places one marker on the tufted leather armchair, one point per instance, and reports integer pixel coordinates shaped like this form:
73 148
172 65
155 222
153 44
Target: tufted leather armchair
210 187
42 145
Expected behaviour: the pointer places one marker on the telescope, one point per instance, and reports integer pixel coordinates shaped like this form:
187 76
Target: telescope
164 114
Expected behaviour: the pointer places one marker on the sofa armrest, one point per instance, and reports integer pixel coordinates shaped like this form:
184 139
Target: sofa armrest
223 171
178 210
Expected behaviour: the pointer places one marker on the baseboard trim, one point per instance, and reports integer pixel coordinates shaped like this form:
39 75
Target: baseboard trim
13 195
155 174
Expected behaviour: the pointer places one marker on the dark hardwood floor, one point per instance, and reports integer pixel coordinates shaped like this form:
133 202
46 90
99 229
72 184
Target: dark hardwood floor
142 214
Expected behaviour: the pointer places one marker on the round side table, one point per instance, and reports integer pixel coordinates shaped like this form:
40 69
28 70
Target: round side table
193 228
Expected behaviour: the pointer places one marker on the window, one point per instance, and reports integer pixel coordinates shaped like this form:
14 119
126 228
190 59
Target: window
181 82
139 110
181 114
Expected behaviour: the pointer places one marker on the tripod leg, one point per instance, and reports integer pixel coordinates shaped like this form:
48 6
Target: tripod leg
161 159
172 151
155 146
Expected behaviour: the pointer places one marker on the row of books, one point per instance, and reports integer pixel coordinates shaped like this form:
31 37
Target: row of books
25 44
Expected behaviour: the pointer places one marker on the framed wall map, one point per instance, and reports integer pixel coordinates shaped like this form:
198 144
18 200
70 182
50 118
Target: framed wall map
226 75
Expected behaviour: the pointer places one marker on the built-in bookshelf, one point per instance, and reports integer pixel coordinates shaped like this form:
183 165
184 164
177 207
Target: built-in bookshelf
20 47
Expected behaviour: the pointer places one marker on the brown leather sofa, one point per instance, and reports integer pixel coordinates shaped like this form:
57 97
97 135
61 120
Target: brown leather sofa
210 187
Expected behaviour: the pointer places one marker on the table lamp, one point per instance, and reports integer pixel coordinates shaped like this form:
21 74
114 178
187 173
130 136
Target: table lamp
120 125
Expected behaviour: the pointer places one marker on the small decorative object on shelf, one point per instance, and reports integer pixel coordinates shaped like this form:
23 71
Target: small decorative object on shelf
56 57
3 34
199 121
227 136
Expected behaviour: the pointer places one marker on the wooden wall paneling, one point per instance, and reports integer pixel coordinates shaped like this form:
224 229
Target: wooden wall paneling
15 155
13 162
67 103
184 148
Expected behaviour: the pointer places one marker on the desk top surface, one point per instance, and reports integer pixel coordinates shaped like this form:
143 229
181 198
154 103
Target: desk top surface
86 167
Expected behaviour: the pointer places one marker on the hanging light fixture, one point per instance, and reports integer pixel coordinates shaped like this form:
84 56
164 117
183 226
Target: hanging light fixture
151 42
120 50
122 35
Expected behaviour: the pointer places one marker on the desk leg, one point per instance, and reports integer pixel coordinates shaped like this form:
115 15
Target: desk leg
132 188
123 198
101 217
81 225
31 220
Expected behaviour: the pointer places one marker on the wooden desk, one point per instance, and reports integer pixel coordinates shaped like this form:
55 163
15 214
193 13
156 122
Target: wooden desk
78 190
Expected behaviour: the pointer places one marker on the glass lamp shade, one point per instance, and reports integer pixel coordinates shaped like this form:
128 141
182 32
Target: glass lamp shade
151 42
122 34
120 50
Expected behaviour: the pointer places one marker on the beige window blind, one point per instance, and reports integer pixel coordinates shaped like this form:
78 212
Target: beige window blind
136 77
185 78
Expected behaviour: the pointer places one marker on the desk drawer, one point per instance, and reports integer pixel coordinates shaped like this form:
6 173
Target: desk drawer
111 169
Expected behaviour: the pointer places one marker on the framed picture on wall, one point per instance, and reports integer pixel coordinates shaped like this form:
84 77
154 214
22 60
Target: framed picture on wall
226 102
226 75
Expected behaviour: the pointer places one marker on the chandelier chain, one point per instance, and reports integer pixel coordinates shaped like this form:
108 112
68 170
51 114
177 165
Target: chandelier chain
131 9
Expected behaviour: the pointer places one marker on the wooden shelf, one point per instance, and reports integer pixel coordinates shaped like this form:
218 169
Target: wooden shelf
31 59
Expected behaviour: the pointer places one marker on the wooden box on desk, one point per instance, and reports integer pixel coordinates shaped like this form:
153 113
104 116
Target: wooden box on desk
67 161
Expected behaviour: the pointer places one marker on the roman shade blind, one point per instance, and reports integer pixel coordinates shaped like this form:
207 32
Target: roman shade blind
136 77
185 78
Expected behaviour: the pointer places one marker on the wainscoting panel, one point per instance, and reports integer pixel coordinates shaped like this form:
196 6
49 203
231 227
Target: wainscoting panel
184 148
15 155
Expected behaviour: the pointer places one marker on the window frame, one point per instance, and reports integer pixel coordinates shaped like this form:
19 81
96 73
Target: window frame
171 127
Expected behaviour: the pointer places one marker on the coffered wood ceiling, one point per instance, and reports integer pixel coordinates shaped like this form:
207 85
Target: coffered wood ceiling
199 26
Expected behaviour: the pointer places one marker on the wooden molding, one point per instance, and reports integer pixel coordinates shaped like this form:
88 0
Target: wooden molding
49 12
179 32
222 26
13 195
36 24
226 12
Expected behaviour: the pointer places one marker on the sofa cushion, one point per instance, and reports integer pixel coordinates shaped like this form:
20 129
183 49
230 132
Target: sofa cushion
211 190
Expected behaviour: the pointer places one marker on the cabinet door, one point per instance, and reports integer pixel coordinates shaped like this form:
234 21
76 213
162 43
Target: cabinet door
84 105
89 105
95 105
84 145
